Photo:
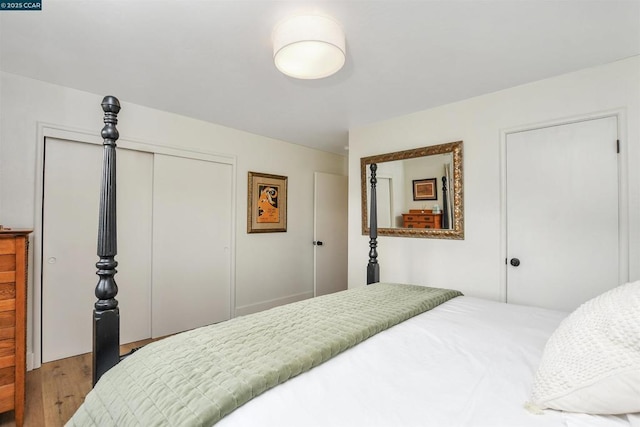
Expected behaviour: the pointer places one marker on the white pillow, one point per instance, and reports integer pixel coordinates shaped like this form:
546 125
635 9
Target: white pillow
591 363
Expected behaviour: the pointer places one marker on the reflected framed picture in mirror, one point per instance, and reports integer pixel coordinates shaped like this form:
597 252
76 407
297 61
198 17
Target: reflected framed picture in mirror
425 189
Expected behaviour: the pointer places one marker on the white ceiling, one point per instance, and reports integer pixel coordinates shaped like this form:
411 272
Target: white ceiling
212 60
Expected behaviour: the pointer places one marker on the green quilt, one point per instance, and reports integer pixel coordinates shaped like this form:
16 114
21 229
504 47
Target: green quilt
197 377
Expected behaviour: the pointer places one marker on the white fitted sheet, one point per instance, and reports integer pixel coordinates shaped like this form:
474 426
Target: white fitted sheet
468 362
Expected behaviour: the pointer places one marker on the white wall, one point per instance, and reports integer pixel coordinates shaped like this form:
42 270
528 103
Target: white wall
476 265
286 258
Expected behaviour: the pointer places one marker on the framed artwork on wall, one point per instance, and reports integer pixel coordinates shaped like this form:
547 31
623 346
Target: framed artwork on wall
425 189
266 203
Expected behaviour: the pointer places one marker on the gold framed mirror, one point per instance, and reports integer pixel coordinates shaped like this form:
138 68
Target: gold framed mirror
419 192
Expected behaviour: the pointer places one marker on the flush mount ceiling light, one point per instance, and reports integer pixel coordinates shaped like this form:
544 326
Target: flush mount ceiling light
309 47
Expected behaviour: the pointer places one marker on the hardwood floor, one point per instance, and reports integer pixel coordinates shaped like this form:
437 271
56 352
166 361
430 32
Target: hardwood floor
56 390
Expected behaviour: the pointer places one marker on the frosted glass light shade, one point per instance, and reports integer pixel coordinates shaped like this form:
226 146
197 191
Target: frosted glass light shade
309 47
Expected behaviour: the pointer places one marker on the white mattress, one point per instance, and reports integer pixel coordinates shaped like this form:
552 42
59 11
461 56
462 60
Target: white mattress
468 362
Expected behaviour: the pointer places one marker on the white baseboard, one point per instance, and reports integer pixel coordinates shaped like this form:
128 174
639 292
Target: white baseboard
30 361
265 305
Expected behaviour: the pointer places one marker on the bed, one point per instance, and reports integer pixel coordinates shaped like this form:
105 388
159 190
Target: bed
377 355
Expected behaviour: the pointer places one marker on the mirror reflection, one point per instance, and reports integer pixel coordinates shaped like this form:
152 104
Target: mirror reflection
419 192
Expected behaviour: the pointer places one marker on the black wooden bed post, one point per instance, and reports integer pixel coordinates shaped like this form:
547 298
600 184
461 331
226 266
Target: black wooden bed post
106 315
373 268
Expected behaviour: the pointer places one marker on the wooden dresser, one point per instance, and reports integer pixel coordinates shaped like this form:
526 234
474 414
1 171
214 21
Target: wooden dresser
417 218
13 333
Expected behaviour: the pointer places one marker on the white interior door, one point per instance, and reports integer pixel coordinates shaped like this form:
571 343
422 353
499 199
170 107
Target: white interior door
383 197
72 177
384 205
330 228
562 214
192 228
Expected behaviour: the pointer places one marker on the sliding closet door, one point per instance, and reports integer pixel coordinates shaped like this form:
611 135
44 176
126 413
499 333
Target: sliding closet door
72 177
192 206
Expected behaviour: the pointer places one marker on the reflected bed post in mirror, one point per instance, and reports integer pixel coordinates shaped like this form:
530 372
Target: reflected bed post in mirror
409 202
445 204
373 268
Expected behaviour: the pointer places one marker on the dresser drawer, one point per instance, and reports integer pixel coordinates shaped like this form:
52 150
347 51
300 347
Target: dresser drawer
7 291
7 347
416 224
7 397
7 333
7 319
7 376
7 246
8 262
419 218
7 276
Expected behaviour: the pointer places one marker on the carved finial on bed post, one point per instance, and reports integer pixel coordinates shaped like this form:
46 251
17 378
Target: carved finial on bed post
373 268
106 316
